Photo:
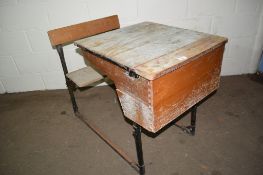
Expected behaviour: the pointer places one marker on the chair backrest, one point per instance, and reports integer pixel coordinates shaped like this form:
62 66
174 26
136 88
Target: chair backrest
75 32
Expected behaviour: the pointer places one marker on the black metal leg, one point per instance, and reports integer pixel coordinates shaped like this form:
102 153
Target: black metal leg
193 119
138 143
68 82
72 97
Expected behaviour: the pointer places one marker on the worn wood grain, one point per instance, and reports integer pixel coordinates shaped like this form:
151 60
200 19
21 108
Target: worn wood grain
136 110
162 65
84 76
75 32
150 49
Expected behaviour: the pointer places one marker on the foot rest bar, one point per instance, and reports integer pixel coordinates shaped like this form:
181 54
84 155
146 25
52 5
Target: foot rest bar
115 147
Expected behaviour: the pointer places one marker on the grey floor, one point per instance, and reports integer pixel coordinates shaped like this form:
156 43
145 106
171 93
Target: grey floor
39 135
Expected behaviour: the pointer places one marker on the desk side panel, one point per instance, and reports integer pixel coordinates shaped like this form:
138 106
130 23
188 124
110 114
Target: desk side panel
134 94
176 92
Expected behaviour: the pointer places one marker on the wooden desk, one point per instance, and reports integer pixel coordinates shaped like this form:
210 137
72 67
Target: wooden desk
159 71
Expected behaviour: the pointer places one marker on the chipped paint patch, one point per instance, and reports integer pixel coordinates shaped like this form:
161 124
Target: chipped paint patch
136 110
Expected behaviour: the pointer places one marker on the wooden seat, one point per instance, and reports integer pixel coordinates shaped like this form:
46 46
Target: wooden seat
67 35
85 76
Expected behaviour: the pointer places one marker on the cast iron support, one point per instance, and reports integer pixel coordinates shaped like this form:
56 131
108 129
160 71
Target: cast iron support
69 84
137 129
138 143
193 119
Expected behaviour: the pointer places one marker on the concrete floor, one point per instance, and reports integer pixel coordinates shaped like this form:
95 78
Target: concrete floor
39 135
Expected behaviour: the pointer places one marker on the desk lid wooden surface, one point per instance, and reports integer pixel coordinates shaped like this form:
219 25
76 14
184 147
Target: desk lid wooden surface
149 49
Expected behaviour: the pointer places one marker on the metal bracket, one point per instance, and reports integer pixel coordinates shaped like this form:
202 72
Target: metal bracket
191 128
187 129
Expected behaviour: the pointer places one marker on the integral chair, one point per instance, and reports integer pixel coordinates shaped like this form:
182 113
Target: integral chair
67 35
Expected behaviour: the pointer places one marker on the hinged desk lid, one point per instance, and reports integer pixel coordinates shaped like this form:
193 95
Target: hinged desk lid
151 49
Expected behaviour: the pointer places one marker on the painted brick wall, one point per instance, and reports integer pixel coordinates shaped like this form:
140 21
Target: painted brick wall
28 62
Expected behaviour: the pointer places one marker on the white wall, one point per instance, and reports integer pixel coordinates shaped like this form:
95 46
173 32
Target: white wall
27 61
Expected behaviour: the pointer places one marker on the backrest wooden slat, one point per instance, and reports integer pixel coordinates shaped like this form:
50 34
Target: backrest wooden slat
75 32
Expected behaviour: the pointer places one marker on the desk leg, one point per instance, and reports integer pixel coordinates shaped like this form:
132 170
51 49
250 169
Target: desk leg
193 119
69 83
138 143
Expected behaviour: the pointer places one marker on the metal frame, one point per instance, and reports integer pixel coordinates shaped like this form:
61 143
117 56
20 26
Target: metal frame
139 167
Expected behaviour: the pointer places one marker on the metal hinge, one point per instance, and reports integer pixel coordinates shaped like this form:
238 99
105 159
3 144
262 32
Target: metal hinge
133 74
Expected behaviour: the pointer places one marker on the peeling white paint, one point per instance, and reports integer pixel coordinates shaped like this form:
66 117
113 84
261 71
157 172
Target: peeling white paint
181 58
136 110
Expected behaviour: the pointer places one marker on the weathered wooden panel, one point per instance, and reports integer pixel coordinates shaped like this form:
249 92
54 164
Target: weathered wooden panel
150 49
176 92
136 44
136 110
78 31
162 65
84 76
